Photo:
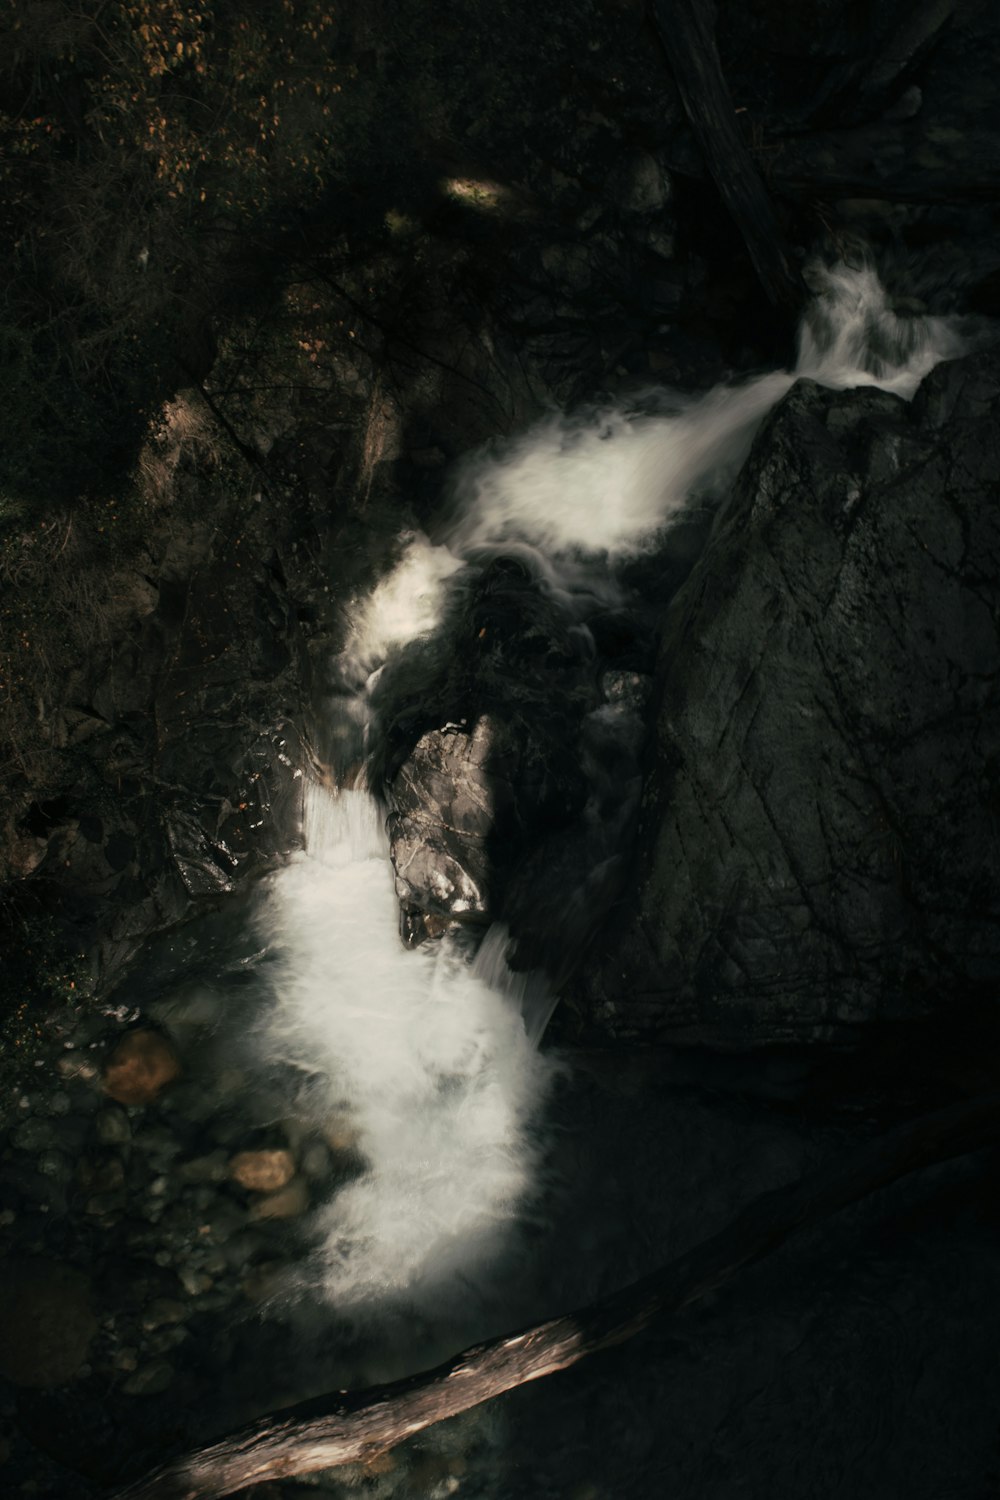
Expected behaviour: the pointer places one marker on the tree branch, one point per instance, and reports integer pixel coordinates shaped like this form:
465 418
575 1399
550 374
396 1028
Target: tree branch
352 1427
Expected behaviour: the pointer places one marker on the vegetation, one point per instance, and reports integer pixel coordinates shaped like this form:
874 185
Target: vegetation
147 147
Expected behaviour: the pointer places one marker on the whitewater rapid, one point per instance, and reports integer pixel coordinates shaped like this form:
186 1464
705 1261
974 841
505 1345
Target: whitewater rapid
421 1059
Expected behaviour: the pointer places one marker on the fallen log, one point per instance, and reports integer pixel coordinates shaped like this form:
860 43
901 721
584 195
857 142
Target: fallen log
357 1426
687 38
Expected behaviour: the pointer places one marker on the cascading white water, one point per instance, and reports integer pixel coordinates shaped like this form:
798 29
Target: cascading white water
423 1055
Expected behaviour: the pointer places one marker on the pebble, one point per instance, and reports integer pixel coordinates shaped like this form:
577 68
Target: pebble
112 1127
161 1311
316 1161
262 1171
287 1203
194 1282
211 1168
142 1064
35 1135
55 1164
77 1065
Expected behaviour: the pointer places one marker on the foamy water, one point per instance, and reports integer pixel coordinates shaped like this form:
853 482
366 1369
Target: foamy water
423 1058
417 1061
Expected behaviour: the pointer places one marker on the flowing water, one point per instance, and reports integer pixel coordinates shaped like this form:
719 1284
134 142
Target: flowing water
426 1054
492 1182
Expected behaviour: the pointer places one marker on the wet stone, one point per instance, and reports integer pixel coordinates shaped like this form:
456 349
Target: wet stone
194 1282
143 1064
112 1127
56 1165
35 1135
287 1203
262 1171
162 1311
317 1164
214 1167
77 1065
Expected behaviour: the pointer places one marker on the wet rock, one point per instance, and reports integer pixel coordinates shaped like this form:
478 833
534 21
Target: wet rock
74 1064
112 1127
264 1281
287 1203
142 1064
55 1164
818 844
214 1167
161 1312
262 1171
444 802
316 1161
47 1320
194 1282
35 1134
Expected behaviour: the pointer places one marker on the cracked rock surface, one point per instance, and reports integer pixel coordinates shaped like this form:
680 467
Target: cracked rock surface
818 842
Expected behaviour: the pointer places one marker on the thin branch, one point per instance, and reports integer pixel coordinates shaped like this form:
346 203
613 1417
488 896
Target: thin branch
356 1427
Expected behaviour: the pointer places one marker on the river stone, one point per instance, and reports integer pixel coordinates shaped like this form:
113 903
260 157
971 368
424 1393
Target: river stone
287 1203
262 1171
47 1322
142 1064
818 842
112 1127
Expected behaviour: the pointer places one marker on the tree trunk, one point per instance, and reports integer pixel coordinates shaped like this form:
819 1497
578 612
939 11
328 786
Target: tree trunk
689 43
352 1427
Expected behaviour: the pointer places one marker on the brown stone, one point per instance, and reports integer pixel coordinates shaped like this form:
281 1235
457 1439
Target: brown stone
47 1322
143 1063
262 1171
287 1203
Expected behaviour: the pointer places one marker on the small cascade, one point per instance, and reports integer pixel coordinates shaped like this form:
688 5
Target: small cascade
428 1059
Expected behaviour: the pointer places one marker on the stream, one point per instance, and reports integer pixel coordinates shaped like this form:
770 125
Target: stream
453 1176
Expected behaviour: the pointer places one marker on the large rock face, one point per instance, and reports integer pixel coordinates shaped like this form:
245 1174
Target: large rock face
819 834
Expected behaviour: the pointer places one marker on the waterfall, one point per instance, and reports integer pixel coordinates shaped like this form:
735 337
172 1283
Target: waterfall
425 1057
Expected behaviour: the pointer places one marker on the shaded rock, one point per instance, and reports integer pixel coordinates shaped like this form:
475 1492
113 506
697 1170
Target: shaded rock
262 1171
162 1312
112 1127
76 1064
100 1174
287 1203
47 1322
35 1135
818 841
140 1067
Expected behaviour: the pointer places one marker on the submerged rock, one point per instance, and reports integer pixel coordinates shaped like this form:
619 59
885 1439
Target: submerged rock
262 1171
818 843
140 1067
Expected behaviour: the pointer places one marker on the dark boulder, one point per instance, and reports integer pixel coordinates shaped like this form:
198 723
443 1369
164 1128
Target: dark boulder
818 841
